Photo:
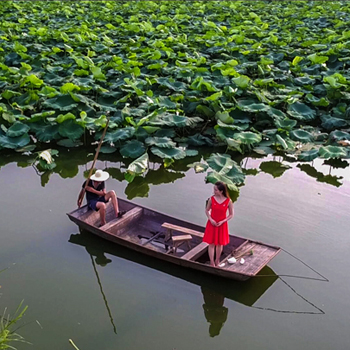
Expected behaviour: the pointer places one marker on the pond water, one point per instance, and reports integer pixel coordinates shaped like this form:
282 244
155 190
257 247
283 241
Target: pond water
105 297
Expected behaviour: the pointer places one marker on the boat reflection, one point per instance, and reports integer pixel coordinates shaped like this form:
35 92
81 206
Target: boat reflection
213 288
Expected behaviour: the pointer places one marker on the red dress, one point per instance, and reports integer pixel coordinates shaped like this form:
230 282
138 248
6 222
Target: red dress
217 235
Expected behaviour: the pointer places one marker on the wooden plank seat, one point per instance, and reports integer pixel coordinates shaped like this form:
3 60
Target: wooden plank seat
170 228
178 240
196 252
130 215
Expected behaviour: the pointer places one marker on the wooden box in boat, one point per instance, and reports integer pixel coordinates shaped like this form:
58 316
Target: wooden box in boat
147 231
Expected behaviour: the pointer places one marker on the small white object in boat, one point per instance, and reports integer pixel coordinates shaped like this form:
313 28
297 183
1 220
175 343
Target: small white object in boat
242 261
232 260
222 265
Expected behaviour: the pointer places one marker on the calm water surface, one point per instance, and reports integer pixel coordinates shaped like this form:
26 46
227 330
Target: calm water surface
106 297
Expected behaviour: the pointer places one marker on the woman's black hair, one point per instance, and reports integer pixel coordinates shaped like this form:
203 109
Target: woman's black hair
222 188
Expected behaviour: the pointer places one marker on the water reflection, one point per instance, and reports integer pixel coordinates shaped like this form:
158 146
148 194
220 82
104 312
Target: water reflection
69 160
101 260
214 310
214 289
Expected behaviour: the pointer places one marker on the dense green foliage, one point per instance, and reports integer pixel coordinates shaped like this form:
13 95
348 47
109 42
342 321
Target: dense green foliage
177 75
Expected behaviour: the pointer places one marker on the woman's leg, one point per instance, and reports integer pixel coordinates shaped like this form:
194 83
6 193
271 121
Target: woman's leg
101 207
211 251
111 195
218 254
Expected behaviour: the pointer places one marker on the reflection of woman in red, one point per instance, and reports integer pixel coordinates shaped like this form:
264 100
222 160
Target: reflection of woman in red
214 310
216 232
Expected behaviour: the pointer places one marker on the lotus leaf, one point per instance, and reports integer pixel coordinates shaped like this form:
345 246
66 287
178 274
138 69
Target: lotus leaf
331 123
223 164
204 110
252 106
70 129
241 81
308 156
8 94
47 133
263 150
17 129
301 111
168 153
63 117
163 142
214 97
39 116
69 87
14 142
198 167
248 137
339 135
317 101
139 165
165 133
224 117
213 177
120 134
62 103
276 113
175 120
199 140
132 149
332 152
301 135
191 152
282 141
315 59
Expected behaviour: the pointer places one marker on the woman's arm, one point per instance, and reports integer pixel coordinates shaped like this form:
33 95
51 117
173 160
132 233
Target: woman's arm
207 209
231 213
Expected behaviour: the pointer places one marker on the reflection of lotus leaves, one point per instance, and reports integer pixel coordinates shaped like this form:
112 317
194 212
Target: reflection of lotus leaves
274 168
311 171
137 188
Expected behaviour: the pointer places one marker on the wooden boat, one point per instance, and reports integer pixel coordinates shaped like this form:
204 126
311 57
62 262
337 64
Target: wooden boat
176 241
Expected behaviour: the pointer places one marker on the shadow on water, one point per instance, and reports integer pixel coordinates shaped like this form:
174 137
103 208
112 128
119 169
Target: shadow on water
214 289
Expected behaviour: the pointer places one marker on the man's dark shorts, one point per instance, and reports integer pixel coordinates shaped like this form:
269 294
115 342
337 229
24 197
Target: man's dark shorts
92 203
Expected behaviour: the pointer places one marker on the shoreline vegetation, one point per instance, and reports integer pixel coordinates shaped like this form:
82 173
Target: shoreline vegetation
8 334
253 77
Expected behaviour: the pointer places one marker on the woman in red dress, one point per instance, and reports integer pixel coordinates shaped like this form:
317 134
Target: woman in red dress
216 232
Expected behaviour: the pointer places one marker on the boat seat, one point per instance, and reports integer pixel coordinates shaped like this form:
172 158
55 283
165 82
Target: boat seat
178 240
196 252
130 215
170 228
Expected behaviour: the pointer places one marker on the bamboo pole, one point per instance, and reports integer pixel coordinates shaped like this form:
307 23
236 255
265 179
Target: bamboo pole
82 193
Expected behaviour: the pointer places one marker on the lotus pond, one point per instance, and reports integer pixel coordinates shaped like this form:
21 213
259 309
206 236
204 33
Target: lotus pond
251 76
255 94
